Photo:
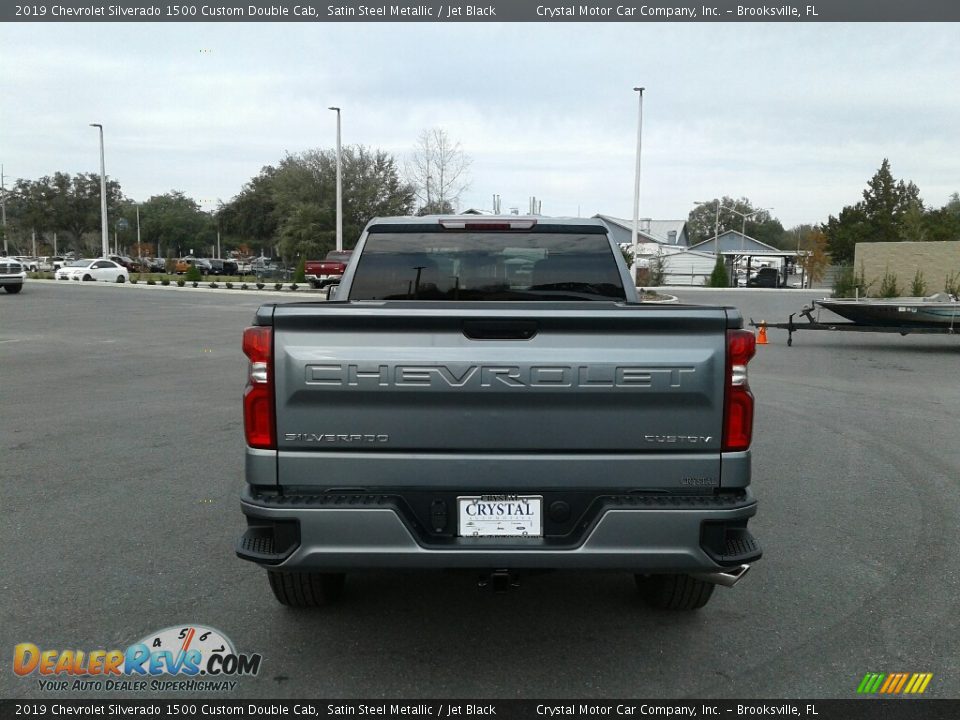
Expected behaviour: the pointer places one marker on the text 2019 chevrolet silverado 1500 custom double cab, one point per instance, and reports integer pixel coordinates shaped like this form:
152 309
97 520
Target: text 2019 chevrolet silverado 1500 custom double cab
489 393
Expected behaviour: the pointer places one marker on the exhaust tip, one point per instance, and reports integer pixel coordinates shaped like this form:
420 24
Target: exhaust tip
726 578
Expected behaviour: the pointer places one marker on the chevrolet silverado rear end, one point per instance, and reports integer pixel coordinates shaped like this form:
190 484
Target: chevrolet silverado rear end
490 394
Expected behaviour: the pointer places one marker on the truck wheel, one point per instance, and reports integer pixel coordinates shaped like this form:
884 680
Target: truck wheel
306 589
674 592
13 289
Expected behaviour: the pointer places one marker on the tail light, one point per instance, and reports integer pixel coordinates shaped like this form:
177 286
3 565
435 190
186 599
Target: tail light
258 414
738 400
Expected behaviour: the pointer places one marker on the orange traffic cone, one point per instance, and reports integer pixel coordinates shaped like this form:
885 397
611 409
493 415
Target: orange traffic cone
762 335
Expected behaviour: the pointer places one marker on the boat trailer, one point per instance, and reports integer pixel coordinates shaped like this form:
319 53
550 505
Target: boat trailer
814 324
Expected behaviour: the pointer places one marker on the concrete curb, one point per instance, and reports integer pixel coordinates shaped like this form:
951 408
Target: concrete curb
668 299
822 292
306 292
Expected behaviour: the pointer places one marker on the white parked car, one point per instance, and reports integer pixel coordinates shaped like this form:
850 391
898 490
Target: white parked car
96 269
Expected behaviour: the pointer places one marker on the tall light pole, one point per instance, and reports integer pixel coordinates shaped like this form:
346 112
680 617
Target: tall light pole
219 224
636 179
3 208
339 186
104 227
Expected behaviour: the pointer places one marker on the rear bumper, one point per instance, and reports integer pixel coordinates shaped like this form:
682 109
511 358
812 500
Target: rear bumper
642 534
322 280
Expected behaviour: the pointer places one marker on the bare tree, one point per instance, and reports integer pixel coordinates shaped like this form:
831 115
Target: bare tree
438 170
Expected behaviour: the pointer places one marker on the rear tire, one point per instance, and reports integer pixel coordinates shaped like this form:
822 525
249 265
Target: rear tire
13 289
87 278
306 589
121 279
674 592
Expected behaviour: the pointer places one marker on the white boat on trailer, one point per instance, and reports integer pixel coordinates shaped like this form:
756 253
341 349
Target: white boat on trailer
934 311
939 313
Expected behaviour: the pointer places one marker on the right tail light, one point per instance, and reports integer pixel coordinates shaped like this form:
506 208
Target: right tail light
738 400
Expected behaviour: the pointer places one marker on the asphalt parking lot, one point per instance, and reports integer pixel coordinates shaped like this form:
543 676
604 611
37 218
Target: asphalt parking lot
121 457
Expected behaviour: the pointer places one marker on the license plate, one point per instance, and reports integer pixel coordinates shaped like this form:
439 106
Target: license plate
500 516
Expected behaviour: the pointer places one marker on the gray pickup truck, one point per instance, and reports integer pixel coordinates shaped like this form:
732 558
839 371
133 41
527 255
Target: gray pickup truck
488 393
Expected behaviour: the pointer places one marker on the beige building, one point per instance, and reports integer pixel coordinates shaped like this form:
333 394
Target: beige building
939 261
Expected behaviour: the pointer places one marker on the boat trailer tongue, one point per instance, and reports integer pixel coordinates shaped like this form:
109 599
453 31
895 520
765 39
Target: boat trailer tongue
792 326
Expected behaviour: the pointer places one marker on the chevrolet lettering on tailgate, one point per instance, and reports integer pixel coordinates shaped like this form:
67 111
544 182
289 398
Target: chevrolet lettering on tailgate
489 393
478 376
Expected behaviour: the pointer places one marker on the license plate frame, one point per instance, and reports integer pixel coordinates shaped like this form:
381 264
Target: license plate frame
506 515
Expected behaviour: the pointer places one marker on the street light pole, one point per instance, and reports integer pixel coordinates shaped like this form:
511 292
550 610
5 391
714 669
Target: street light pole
716 224
743 231
104 227
339 186
139 253
3 208
636 180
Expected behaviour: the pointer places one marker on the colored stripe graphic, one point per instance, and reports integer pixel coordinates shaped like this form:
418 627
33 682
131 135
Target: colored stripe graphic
870 683
898 685
894 683
891 680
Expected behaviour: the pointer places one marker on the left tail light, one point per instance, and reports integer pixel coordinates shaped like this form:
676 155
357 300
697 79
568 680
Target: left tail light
738 400
259 421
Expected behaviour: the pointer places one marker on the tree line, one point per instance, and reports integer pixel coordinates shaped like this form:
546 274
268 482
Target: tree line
288 208
890 210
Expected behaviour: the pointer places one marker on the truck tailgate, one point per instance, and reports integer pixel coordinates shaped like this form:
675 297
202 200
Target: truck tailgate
422 394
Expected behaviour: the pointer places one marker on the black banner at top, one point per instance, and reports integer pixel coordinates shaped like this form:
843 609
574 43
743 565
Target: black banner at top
548 11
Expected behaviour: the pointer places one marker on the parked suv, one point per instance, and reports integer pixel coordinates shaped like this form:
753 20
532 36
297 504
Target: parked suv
222 267
766 277
183 264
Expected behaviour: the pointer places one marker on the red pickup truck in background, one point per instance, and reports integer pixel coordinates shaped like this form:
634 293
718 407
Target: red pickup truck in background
321 273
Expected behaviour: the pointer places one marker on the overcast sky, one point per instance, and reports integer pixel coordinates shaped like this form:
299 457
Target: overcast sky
794 116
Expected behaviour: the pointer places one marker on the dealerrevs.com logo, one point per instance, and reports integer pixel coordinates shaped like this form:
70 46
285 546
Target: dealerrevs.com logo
187 658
